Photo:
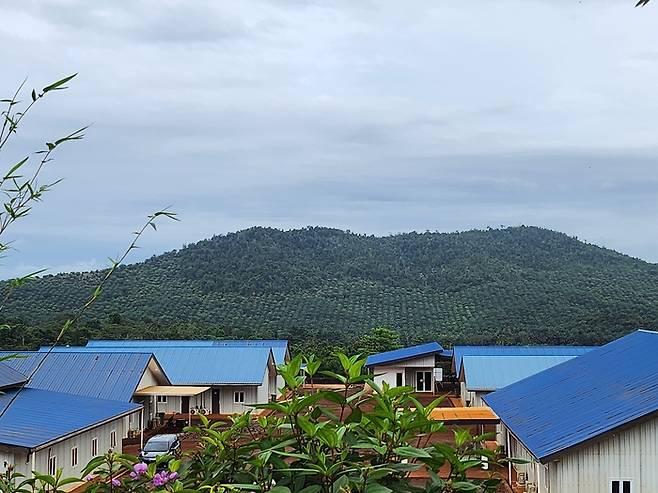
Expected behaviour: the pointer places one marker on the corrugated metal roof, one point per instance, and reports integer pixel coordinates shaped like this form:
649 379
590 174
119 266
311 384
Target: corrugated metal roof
106 375
193 365
488 373
461 351
38 417
583 398
10 377
279 346
404 353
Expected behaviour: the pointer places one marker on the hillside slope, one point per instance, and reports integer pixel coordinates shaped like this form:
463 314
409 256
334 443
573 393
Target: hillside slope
522 284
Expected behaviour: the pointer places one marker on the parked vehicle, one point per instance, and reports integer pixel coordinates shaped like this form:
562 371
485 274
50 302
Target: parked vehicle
157 445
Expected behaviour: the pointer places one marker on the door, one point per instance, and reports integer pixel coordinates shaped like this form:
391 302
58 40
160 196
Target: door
215 401
423 381
185 404
398 379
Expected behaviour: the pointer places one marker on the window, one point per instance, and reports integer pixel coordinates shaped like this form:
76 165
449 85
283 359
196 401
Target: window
52 465
423 381
161 399
621 486
94 447
113 438
74 456
238 397
398 379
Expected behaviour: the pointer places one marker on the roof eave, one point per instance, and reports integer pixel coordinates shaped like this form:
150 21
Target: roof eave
602 436
397 360
73 433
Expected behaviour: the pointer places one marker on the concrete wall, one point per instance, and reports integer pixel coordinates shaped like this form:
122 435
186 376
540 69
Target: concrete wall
631 454
62 451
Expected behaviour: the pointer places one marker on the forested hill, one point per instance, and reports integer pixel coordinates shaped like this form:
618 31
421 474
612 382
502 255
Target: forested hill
514 285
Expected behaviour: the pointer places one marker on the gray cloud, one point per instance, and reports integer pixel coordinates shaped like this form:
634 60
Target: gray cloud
379 117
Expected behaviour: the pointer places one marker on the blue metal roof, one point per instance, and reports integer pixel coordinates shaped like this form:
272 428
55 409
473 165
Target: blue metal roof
38 417
488 373
461 351
404 353
10 377
583 398
193 365
279 346
102 375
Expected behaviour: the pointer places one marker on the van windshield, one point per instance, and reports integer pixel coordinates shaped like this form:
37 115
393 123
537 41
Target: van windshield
157 446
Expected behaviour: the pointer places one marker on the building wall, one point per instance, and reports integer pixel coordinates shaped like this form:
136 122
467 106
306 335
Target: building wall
62 451
477 399
531 468
467 397
408 368
273 380
148 378
424 361
267 388
253 394
226 398
173 404
630 454
388 374
13 456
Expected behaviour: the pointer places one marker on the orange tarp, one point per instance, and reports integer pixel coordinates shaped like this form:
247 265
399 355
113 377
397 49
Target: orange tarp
464 415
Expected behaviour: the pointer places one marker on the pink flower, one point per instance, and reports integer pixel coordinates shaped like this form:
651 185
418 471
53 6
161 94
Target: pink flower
89 477
116 482
173 475
161 478
134 475
140 468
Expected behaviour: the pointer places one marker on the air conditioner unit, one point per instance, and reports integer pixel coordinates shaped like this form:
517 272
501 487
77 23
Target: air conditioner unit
193 412
521 478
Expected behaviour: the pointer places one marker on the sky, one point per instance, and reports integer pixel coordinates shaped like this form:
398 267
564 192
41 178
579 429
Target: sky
380 117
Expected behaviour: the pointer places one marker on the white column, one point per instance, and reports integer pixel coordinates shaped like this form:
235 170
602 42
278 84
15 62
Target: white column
141 427
509 464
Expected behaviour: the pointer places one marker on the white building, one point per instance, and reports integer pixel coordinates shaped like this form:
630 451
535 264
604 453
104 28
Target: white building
416 366
225 377
41 430
589 425
82 401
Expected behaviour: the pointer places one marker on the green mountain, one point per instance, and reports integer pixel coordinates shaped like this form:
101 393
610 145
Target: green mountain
514 285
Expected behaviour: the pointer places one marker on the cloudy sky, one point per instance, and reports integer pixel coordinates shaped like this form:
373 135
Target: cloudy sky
374 116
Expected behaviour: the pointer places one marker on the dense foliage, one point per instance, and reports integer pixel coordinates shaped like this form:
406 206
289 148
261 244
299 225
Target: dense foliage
354 439
515 285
